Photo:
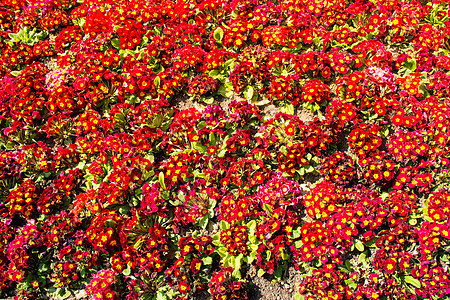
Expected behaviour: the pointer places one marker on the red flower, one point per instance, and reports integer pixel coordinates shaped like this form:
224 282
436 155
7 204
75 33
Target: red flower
196 265
290 129
390 265
211 150
184 287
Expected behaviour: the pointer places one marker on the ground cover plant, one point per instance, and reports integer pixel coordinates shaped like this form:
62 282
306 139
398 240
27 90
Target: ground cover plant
108 186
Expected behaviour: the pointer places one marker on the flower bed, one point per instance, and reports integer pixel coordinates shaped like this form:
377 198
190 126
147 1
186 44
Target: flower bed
106 186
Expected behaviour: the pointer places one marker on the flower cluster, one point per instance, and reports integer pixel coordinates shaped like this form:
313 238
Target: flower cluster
438 205
338 168
130 34
202 85
319 139
22 200
101 285
222 286
235 240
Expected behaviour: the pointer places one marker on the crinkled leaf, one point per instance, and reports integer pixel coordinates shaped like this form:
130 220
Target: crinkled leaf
201 148
203 223
207 260
224 225
115 43
157 82
218 34
161 180
261 272
127 271
208 100
248 92
359 245
413 281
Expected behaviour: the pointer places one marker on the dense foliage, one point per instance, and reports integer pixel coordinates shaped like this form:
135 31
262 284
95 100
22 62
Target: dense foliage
107 187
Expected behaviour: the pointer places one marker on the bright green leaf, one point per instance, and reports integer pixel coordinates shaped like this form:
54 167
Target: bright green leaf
212 139
248 92
359 245
161 180
127 271
207 260
115 43
299 296
157 82
201 148
261 272
218 34
413 281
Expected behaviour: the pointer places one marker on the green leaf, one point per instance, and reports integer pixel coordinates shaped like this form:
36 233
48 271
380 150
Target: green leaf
238 262
296 233
216 239
207 260
214 73
64 294
222 153
236 274
288 109
115 43
208 100
124 209
15 73
157 82
363 258
222 91
212 139
201 148
350 283
299 296
201 125
231 63
211 211
262 102
278 273
413 281
252 238
224 225
267 208
160 295
158 120
198 174
359 245
412 221
203 223
218 34
127 271
254 254
161 180
261 272
83 272
251 226
308 169
248 92
228 260
411 65
298 244
43 267
348 265
165 195
372 242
